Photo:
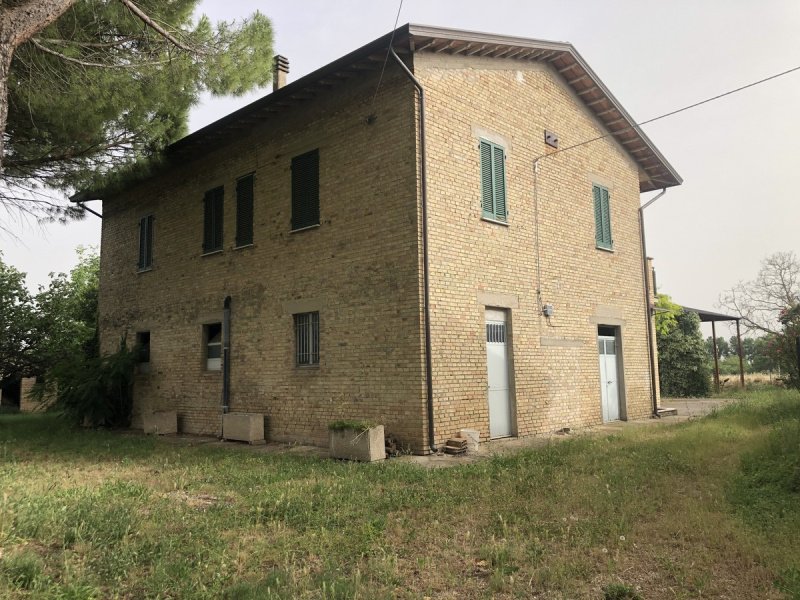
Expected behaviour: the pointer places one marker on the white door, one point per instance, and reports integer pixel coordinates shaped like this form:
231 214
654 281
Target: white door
609 380
497 364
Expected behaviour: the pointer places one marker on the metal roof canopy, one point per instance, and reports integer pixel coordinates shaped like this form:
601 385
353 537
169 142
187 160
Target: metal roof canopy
654 170
707 316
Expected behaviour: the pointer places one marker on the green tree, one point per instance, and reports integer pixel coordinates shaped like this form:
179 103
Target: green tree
760 360
91 90
770 305
19 333
723 347
683 362
67 312
666 313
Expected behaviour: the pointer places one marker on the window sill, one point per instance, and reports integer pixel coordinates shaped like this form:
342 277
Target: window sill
604 249
495 221
307 367
243 246
316 226
212 253
145 270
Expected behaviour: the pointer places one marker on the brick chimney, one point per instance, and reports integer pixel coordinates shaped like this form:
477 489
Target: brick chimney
280 67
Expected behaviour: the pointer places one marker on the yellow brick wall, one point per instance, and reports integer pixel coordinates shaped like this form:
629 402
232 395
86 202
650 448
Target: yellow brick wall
475 263
359 268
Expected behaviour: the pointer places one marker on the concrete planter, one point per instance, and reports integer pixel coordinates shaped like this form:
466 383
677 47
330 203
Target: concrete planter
365 445
160 423
243 427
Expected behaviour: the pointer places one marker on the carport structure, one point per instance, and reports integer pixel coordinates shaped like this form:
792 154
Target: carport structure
712 317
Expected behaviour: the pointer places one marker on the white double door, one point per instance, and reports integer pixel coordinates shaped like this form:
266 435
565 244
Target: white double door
609 377
499 381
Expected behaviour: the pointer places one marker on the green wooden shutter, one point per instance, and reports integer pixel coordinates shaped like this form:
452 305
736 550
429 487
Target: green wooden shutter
487 200
212 219
142 242
602 217
499 169
598 215
606 219
244 211
305 190
146 242
493 181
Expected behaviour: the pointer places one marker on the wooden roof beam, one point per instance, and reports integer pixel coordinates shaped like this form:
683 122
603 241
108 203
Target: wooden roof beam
427 45
478 49
577 79
588 90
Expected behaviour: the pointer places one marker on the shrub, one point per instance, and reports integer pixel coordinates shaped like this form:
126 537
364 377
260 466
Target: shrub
683 363
93 390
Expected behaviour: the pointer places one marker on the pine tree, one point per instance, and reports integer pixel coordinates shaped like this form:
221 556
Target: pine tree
95 89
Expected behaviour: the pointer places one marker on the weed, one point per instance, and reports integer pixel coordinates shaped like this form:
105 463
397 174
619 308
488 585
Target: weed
620 591
24 570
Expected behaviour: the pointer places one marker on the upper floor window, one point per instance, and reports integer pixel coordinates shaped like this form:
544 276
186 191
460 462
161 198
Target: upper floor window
244 210
305 190
602 218
493 181
146 243
212 220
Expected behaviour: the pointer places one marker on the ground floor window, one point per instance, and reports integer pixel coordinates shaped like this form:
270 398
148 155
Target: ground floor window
306 333
213 343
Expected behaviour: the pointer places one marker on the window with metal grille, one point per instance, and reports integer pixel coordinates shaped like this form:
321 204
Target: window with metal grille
146 243
244 210
306 333
496 333
212 220
493 181
602 218
212 333
305 190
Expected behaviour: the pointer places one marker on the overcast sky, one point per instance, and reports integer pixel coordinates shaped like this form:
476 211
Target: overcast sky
737 156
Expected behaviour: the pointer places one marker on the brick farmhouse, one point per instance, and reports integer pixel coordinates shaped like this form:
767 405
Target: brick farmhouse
460 249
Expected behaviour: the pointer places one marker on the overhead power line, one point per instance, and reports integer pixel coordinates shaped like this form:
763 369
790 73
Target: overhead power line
388 50
675 112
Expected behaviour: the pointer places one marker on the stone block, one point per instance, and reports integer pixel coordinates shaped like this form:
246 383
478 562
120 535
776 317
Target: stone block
364 446
473 438
243 427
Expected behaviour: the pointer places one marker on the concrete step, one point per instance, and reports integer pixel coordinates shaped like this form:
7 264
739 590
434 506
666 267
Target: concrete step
667 412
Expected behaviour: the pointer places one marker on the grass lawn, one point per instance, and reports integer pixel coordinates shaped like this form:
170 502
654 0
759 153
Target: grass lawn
709 508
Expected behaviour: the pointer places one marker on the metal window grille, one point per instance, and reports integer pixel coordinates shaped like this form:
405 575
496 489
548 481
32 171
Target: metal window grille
306 329
496 333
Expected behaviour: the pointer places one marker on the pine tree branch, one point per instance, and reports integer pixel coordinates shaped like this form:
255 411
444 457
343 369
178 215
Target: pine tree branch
65 42
85 63
158 29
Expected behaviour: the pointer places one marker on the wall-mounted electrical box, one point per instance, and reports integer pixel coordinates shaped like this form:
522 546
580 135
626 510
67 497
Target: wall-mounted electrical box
547 310
551 139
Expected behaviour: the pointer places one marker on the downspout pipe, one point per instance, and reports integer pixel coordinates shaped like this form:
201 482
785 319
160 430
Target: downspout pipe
647 307
425 277
226 355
